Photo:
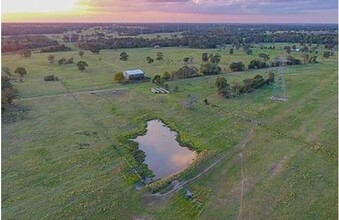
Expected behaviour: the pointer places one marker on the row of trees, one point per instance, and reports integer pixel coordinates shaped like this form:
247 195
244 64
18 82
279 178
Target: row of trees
211 39
247 86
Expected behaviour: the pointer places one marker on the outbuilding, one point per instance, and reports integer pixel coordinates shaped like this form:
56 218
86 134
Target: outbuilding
134 74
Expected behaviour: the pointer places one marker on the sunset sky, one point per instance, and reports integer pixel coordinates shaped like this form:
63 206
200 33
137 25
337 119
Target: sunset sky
227 11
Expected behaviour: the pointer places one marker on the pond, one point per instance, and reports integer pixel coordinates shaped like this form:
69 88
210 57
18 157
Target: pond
164 155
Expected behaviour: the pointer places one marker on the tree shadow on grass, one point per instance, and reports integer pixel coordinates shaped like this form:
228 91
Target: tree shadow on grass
14 113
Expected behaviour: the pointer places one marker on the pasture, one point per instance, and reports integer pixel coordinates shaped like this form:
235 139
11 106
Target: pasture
59 157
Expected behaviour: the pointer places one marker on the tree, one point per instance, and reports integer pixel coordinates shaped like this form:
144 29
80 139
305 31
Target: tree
249 52
51 58
232 50
166 76
222 87
123 56
160 56
70 60
215 58
81 53
61 61
25 53
237 66
236 88
210 69
186 59
119 77
21 71
313 59
306 58
264 56
204 57
95 49
82 65
257 64
157 80
326 54
149 60
185 72
8 92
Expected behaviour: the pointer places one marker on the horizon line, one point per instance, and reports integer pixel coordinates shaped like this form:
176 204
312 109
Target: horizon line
148 22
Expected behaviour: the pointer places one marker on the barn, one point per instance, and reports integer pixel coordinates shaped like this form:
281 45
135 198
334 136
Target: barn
134 74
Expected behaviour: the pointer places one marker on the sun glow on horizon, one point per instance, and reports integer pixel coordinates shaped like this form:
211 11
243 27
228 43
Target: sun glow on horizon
37 6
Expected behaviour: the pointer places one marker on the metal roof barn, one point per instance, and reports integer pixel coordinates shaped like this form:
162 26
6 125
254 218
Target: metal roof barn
134 74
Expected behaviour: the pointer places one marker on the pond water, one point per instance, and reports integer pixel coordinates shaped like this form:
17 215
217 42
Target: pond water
164 155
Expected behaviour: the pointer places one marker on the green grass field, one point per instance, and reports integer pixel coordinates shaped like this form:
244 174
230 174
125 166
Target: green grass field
59 161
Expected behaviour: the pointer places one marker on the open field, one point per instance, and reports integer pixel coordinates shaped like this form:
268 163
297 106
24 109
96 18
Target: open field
59 160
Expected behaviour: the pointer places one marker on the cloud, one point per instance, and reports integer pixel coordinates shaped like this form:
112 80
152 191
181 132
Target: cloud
239 7
209 10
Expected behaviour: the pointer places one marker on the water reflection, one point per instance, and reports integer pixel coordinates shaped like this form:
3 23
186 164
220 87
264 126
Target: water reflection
164 155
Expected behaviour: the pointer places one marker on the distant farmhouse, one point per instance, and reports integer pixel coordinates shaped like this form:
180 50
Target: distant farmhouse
134 74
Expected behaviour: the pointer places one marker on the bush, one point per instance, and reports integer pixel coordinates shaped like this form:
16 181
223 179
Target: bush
119 77
237 66
51 78
55 49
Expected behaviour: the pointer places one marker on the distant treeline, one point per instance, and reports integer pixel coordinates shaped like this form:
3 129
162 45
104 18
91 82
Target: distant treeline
191 35
26 42
211 40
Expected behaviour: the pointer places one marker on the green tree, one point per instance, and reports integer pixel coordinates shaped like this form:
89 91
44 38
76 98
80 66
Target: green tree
21 72
25 53
61 61
82 65
166 76
214 58
51 58
8 92
249 52
160 56
81 53
326 54
149 60
186 59
119 77
157 80
204 57
264 56
222 87
306 58
232 50
123 56
237 66
236 88
95 49
210 69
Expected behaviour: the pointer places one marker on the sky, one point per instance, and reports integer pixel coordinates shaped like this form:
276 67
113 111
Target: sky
178 11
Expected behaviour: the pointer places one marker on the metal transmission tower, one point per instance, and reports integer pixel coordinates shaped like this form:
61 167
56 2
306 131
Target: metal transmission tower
279 89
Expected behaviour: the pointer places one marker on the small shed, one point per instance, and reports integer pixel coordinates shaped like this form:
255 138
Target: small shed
134 74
